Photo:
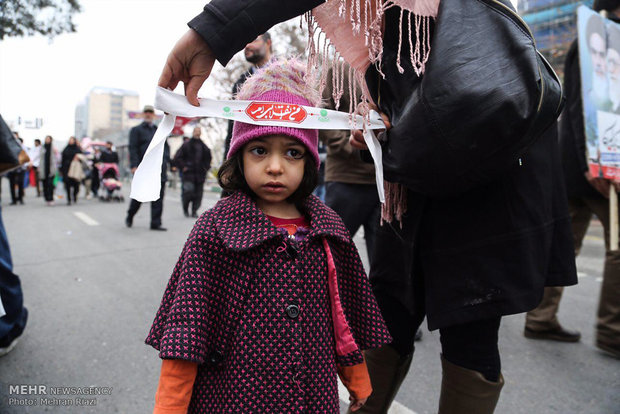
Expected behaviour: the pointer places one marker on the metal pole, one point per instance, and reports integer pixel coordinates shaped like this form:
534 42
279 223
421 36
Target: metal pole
613 218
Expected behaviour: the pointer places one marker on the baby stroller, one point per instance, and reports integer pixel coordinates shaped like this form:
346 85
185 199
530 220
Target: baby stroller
108 174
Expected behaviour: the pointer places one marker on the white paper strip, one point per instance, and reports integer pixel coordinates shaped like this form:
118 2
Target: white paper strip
146 184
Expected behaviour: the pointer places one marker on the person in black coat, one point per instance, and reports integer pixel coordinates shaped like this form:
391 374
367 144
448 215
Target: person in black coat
462 261
193 159
587 195
139 139
72 186
108 155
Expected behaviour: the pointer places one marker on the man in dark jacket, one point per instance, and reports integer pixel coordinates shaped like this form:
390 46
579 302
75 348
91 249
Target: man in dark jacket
108 155
462 261
587 195
139 139
193 159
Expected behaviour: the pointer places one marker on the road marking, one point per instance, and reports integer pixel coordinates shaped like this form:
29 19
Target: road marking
581 274
396 408
594 238
86 218
599 279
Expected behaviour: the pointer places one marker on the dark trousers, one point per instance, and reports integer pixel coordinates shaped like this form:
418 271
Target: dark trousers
192 194
16 178
95 183
608 316
13 323
72 187
357 205
398 284
157 207
48 188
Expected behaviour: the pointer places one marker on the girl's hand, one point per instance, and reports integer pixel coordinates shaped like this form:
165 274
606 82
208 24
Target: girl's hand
356 404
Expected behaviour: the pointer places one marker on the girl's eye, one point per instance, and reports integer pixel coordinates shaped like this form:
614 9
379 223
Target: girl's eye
258 151
295 153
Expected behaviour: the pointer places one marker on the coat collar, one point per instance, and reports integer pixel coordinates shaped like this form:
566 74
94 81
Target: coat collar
242 225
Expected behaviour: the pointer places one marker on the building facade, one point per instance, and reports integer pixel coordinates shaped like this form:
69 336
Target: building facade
104 113
554 25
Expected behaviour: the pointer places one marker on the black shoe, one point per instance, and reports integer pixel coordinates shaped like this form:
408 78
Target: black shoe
195 215
21 202
12 203
186 213
128 221
556 334
158 228
614 351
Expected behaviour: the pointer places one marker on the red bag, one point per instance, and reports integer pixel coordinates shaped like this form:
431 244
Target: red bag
33 178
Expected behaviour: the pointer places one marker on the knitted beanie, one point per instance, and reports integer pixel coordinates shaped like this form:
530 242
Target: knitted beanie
283 81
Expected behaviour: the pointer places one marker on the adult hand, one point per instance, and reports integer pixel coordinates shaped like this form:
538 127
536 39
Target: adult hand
357 136
190 62
356 404
601 184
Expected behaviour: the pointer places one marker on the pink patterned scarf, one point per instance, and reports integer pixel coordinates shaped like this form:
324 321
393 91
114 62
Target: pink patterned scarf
353 28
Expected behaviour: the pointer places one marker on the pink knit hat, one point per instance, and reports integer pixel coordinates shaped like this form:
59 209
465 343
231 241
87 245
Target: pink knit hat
284 81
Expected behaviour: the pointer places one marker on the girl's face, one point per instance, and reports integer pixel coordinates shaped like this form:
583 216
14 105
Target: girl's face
273 167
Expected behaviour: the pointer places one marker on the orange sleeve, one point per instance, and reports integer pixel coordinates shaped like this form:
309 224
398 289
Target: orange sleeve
174 391
356 379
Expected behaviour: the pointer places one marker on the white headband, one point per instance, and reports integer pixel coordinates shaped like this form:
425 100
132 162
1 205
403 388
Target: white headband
146 183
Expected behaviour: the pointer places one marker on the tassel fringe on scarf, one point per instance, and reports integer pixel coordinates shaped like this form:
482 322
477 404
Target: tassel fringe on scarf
351 31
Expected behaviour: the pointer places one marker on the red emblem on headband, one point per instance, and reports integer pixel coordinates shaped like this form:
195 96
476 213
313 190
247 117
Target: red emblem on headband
276 111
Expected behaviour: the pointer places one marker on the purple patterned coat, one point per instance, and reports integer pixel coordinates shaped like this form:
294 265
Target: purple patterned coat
256 317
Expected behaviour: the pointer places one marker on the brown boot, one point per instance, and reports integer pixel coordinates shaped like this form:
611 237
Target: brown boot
464 391
387 370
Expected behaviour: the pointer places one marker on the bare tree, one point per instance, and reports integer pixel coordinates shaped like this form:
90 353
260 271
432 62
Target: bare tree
28 17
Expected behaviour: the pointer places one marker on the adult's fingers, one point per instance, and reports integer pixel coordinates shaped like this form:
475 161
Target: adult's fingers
386 120
192 87
357 140
167 79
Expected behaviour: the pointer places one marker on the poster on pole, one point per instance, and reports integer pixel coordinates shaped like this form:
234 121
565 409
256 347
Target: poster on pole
599 59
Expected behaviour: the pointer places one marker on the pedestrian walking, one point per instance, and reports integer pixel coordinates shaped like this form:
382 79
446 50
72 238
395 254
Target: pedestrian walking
71 180
587 195
455 251
139 139
35 161
193 160
269 300
48 169
16 178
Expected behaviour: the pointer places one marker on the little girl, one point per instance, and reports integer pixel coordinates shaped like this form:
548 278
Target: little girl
269 301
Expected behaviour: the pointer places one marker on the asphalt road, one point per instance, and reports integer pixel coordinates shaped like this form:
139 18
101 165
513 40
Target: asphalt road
92 287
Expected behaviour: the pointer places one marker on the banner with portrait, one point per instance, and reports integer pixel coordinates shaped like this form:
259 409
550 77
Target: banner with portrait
599 59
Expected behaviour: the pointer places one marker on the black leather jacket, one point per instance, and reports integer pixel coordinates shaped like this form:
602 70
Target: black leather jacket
485 253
